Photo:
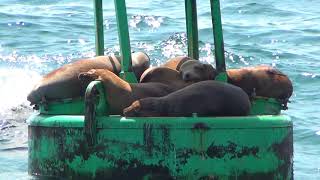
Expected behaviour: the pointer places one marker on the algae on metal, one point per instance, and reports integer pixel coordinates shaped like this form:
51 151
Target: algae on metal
164 147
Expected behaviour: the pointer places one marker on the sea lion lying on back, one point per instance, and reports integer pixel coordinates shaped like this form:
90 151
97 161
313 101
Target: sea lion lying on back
261 80
64 83
206 98
119 93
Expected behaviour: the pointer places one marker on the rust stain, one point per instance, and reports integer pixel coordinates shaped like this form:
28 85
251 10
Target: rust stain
201 129
209 177
284 151
136 170
254 176
166 145
200 126
148 138
235 151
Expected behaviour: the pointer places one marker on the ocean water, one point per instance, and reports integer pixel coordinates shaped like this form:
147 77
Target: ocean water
37 36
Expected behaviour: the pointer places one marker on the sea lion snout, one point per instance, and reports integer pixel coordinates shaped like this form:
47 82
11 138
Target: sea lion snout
191 78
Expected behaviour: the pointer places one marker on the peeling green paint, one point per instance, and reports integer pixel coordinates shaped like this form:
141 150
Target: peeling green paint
172 148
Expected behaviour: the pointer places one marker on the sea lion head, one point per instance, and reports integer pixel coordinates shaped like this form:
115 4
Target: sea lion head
140 62
195 71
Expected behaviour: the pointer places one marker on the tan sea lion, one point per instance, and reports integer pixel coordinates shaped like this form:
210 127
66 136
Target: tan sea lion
176 62
140 62
261 80
119 93
64 83
206 98
164 75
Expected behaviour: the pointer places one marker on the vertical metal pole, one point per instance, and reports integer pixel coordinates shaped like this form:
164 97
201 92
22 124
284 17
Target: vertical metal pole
192 28
122 21
218 36
98 12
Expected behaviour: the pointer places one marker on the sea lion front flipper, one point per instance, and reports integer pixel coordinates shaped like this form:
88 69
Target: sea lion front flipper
87 77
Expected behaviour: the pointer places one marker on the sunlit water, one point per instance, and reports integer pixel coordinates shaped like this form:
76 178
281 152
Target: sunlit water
37 36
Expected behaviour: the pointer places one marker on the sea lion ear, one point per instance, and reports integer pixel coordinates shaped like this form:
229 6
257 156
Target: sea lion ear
212 72
180 73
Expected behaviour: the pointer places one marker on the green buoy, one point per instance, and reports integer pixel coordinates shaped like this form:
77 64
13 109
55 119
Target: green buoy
78 138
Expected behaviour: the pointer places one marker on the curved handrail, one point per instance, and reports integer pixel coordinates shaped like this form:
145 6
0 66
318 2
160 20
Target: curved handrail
95 104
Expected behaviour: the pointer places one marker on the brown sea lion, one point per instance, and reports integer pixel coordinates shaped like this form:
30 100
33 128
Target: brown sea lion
194 70
163 75
176 62
261 80
206 98
64 83
140 62
119 93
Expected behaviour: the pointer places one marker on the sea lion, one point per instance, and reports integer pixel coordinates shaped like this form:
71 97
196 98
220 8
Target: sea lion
260 80
263 81
119 93
194 70
63 82
206 98
176 62
140 62
164 75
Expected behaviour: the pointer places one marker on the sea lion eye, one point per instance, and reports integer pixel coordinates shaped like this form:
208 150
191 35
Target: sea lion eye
186 77
199 67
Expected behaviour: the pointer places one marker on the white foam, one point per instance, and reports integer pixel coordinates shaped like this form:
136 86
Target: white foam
15 86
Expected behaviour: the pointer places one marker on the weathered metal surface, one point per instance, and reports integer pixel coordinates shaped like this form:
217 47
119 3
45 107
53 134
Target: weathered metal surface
164 149
261 105
65 106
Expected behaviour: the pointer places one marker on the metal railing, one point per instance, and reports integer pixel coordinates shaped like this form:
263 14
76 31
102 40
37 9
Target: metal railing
192 35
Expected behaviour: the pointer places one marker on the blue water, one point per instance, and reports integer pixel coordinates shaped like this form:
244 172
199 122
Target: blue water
37 36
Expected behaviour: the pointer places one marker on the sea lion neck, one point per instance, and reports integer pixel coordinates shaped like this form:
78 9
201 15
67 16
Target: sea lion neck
117 91
112 81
